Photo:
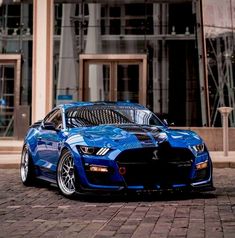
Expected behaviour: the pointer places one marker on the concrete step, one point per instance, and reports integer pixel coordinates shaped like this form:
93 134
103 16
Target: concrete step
7 152
10 147
9 161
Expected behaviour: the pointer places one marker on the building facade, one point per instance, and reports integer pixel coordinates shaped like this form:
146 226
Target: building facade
174 56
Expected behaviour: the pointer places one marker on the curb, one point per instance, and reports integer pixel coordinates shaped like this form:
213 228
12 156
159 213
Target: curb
221 165
9 166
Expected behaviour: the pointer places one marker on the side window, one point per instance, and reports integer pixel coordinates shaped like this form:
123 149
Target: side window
49 116
56 118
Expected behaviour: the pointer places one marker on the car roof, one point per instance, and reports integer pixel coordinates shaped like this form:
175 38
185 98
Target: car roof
101 103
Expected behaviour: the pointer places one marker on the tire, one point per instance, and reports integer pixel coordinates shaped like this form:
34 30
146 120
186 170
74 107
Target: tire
27 172
66 175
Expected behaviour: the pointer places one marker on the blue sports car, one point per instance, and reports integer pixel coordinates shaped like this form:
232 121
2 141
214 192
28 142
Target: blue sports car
113 146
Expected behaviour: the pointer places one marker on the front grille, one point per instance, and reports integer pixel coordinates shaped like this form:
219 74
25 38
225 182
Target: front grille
166 152
150 166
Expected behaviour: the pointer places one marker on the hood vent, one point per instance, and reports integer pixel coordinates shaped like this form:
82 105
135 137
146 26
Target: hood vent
144 138
140 133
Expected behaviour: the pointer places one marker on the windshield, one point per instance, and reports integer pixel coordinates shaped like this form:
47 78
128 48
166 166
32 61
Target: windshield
103 115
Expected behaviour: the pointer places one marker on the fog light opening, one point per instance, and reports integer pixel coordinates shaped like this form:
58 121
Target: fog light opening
96 168
202 165
122 171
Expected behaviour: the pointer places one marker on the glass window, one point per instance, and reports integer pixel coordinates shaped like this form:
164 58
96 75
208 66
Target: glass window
56 118
218 19
91 116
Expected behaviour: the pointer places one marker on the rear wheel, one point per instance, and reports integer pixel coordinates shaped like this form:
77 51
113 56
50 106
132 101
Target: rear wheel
27 172
66 175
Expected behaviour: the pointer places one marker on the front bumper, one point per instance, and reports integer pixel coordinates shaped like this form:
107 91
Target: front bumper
206 187
149 174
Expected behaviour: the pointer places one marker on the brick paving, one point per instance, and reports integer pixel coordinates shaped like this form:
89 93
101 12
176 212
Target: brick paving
42 212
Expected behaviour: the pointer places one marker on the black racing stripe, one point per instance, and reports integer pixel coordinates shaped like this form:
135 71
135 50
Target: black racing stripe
140 132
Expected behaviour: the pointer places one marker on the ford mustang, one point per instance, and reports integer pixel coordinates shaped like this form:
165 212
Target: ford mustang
113 146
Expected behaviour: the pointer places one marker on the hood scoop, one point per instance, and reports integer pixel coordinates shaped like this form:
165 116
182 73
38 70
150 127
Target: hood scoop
140 133
144 138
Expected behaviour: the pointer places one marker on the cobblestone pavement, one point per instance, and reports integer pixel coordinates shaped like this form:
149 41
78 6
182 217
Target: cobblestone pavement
42 212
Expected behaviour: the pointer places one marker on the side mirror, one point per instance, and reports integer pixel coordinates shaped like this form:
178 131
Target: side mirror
48 126
167 123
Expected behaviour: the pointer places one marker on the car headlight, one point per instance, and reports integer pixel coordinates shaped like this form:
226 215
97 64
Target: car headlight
199 148
90 150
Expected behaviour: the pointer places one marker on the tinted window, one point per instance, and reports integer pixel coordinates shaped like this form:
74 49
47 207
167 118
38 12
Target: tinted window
55 117
91 116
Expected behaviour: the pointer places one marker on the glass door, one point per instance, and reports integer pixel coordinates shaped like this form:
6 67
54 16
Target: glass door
128 82
98 82
10 73
113 78
7 75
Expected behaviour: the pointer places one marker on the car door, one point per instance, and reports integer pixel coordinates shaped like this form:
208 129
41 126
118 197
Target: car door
49 141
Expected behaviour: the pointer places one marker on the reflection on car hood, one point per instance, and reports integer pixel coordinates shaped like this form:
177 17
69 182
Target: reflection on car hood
130 136
182 138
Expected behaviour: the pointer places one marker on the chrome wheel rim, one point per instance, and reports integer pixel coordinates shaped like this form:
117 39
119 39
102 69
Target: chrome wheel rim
66 178
24 169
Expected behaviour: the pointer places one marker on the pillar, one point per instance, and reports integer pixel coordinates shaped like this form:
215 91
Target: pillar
68 66
93 46
225 111
42 82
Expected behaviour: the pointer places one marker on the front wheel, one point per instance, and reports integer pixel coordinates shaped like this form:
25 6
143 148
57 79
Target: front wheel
66 175
27 172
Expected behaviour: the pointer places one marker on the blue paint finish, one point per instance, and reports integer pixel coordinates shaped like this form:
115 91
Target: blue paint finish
46 145
182 138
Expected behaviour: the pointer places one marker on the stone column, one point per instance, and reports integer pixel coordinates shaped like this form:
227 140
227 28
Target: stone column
93 46
68 67
225 113
42 82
